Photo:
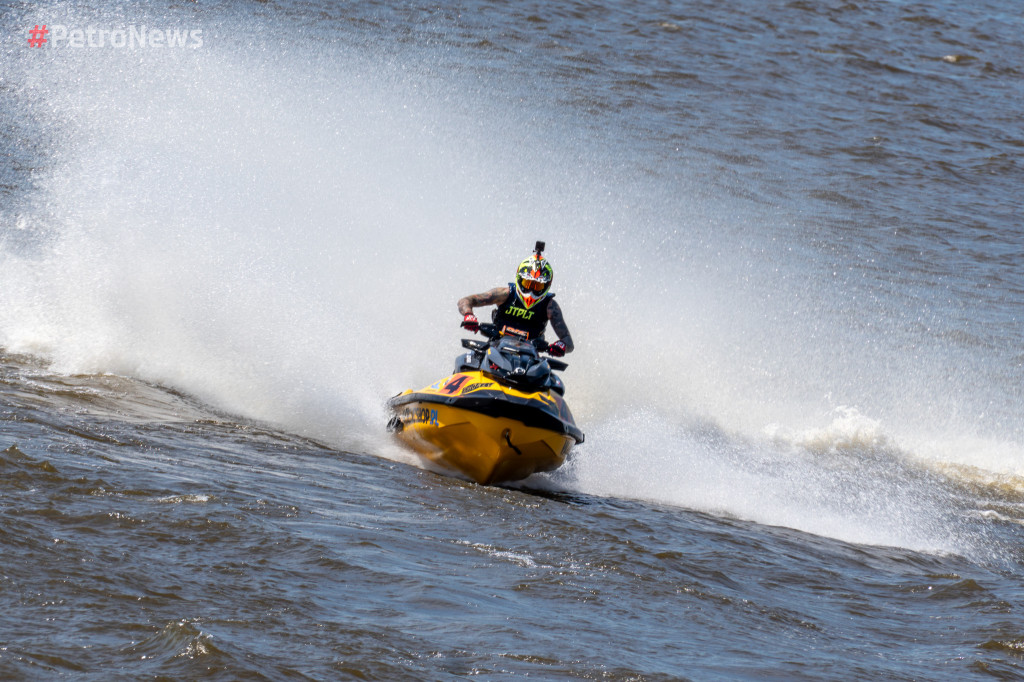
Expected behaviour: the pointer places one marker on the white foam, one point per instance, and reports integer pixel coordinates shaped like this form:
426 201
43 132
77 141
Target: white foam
644 456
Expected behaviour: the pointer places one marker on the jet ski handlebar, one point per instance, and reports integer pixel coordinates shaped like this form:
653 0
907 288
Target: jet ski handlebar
492 332
489 330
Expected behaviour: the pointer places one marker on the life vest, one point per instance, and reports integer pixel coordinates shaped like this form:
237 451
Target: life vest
513 316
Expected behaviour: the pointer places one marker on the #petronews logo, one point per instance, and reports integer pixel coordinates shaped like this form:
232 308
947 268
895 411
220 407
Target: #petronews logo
61 36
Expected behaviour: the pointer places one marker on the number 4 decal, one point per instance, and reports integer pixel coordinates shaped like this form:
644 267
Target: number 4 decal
455 384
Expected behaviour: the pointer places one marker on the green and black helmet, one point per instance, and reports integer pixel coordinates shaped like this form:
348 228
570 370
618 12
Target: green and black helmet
533 278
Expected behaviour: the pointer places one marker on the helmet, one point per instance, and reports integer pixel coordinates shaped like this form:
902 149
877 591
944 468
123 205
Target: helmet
533 280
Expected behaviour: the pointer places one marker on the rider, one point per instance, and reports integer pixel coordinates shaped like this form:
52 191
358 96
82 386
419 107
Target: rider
524 306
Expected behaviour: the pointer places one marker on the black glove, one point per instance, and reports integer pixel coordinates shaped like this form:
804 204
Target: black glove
470 322
557 349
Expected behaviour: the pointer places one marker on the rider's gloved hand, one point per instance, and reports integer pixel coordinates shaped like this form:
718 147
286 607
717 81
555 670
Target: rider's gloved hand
557 349
470 322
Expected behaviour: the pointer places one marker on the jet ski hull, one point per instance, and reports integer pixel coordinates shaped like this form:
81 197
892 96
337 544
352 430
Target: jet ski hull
471 425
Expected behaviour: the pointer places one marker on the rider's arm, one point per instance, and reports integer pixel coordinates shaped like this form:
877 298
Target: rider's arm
494 296
558 325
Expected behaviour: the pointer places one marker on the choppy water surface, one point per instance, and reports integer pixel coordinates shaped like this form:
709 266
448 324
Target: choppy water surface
786 239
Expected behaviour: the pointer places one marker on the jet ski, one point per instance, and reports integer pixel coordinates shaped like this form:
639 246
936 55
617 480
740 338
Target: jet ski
499 418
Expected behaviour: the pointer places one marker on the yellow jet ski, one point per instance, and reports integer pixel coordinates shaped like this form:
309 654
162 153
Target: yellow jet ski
500 417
